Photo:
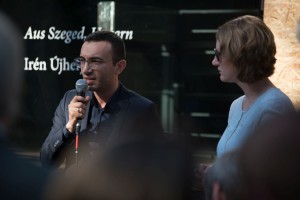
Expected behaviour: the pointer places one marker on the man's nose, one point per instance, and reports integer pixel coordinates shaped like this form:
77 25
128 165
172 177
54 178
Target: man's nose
85 68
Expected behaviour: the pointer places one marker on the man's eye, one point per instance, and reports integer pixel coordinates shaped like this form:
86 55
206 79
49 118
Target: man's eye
79 60
96 61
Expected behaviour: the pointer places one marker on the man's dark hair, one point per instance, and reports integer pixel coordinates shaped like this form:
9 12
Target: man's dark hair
116 42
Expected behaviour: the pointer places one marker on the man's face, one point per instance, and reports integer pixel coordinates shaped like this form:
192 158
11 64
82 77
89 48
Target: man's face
99 72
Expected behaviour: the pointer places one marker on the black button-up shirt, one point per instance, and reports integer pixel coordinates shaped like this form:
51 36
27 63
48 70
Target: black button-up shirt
100 120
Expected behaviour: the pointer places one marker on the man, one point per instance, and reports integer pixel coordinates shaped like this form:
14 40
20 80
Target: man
20 179
110 113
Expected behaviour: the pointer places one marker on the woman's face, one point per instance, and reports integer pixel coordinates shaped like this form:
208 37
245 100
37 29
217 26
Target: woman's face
228 72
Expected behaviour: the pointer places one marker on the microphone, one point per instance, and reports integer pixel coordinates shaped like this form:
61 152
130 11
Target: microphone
81 87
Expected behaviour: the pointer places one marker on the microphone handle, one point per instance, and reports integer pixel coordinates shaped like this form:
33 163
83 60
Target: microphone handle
81 87
81 93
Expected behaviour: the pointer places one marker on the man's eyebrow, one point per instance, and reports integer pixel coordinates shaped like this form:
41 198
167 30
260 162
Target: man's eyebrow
96 58
93 58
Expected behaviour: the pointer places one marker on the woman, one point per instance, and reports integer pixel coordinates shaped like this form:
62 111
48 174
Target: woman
245 55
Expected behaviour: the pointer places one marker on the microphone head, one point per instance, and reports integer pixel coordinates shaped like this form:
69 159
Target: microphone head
81 85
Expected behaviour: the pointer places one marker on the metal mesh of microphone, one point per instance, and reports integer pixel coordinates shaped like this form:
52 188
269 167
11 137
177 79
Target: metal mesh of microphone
81 85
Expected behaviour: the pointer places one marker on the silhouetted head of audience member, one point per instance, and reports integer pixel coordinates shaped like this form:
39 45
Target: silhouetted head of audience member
20 179
136 170
11 69
222 180
270 160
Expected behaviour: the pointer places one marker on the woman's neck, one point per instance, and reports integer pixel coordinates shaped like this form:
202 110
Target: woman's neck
254 90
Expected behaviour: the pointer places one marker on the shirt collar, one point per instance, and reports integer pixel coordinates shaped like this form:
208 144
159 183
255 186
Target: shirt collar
110 105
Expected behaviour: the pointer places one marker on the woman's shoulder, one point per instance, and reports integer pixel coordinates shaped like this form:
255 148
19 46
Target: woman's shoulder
275 95
276 99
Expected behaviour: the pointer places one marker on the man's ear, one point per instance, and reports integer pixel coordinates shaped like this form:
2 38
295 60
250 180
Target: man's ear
217 193
120 66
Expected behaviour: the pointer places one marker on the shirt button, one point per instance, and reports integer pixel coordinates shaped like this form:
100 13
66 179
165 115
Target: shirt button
56 143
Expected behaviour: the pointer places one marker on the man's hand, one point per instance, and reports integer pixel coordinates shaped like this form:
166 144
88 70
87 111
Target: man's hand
77 109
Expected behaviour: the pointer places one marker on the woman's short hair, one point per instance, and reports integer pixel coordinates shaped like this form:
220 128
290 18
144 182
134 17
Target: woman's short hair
249 44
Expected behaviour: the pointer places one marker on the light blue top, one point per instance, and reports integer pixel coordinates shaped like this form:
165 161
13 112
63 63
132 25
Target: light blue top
241 123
